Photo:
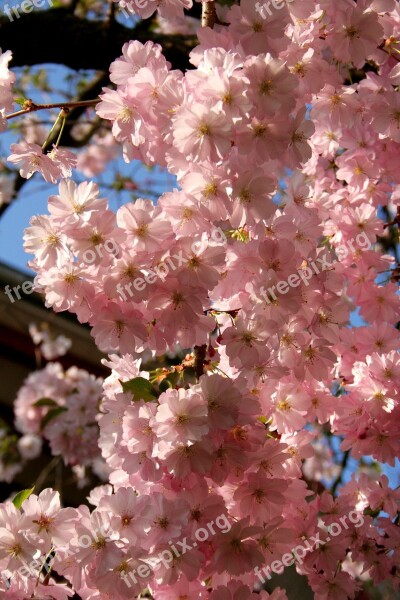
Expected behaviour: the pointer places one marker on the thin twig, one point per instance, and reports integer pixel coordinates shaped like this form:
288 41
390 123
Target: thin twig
32 107
46 472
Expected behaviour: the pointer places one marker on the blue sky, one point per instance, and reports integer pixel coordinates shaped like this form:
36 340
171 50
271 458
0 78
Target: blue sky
33 201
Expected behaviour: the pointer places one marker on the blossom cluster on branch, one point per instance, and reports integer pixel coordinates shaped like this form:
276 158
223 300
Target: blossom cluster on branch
63 407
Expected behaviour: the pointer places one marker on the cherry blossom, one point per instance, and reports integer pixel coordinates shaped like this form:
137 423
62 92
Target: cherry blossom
238 381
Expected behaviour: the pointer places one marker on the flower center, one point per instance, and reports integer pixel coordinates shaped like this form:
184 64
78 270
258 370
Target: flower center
266 87
162 522
283 405
203 130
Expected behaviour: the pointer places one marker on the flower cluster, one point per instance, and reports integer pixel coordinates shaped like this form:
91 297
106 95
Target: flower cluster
51 346
374 397
62 406
56 164
145 237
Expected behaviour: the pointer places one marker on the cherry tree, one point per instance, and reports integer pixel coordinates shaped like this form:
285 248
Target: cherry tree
249 312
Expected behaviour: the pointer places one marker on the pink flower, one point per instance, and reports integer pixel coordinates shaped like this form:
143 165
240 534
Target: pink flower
318 359
120 108
7 77
251 193
386 116
355 36
33 160
138 435
46 240
246 342
51 346
66 288
167 518
202 265
381 303
334 587
16 547
201 133
261 497
180 417
64 159
384 498
145 228
301 133
75 203
335 106
50 523
30 446
290 405
271 84
126 509
135 55
119 330
223 400
235 551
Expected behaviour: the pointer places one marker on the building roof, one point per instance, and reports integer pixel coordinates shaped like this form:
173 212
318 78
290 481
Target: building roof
18 360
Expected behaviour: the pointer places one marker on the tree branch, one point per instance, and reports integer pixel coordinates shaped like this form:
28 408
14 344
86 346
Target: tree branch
209 14
92 90
32 107
199 358
339 478
61 37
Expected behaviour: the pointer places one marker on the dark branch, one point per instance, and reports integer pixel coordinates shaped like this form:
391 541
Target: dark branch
339 478
209 14
91 91
199 360
60 37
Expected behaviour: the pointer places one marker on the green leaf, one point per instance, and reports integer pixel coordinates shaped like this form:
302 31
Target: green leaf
45 402
52 414
140 388
22 496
